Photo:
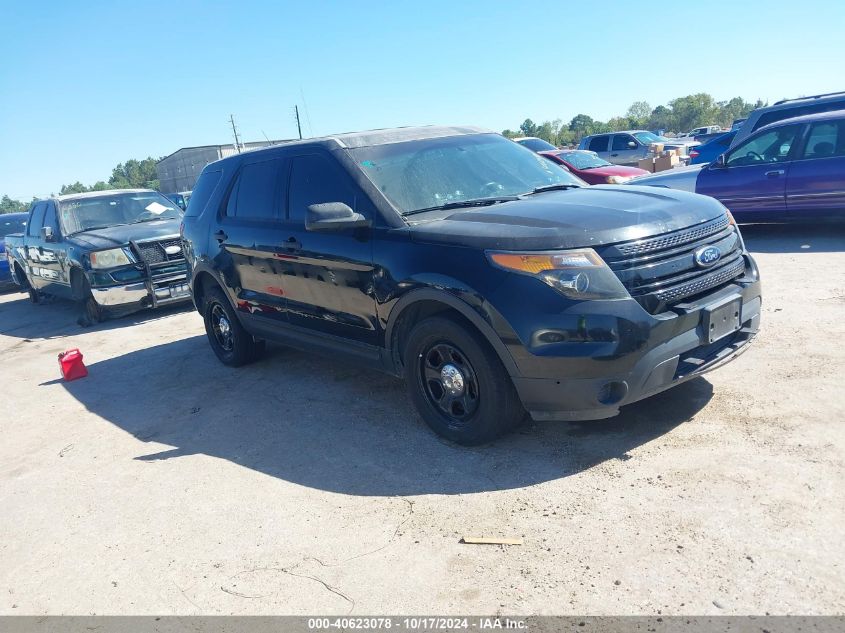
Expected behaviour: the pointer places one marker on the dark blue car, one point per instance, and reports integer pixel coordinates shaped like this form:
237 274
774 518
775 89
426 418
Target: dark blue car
790 170
709 151
9 223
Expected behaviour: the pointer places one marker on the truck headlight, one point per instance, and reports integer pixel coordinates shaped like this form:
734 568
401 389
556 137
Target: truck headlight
578 273
111 258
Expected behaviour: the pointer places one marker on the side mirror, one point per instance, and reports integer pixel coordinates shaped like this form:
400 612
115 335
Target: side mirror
47 234
632 145
333 216
720 162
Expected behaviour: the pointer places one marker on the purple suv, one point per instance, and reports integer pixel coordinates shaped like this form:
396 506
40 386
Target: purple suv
792 169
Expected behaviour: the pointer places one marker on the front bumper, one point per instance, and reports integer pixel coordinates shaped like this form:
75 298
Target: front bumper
153 292
677 349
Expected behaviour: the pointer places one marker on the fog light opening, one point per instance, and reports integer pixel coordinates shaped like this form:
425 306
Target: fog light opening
612 392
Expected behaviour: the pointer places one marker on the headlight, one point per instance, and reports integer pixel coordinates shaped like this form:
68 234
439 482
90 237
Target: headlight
617 180
111 258
577 274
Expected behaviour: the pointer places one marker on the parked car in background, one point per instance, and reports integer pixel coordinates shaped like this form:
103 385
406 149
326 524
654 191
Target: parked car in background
790 170
701 131
788 109
534 144
9 223
181 198
592 169
709 151
491 280
628 147
111 251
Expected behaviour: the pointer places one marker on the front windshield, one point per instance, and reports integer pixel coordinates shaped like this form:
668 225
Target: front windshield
583 160
83 214
646 138
427 173
9 226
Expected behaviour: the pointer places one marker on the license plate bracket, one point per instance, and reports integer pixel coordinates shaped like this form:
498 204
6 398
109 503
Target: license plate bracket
721 320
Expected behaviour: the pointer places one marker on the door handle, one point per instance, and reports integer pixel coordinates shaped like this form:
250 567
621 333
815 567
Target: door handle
614 154
293 244
774 173
220 236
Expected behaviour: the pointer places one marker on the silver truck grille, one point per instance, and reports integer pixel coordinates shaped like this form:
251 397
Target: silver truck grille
157 252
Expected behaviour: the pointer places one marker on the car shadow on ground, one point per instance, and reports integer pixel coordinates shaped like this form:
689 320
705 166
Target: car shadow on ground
56 318
327 425
794 238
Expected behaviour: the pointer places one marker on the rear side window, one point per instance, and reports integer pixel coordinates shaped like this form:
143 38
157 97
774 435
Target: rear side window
315 179
255 194
37 220
825 140
598 144
203 188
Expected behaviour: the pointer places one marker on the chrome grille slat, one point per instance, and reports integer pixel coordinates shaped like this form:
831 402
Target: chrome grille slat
660 271
673 239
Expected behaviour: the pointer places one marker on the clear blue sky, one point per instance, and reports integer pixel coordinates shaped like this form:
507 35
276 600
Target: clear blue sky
86 85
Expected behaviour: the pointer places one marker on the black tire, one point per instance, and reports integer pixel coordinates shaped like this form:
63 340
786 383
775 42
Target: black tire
232 344
473 406
89 311
34 297
26 287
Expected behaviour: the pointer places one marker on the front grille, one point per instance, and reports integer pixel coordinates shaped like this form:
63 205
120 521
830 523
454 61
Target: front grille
661 271
156 252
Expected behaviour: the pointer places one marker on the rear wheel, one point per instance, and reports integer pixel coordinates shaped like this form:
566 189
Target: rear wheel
458 384
232 344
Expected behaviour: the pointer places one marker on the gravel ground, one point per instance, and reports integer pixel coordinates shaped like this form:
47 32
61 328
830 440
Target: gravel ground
166 483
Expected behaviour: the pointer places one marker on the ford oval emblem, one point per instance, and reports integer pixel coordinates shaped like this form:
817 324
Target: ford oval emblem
707 256
173 250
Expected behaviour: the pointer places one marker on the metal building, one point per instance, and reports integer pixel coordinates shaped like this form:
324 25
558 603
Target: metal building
179 171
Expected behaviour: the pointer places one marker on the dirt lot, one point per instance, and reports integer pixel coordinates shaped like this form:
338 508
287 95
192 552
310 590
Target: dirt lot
166 483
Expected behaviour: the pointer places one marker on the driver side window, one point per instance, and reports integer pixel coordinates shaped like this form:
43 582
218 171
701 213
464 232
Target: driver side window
773 146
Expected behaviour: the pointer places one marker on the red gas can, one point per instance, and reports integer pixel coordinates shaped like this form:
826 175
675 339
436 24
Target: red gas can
72 365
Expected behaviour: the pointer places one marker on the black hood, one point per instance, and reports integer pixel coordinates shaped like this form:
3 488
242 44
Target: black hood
97 239
589 216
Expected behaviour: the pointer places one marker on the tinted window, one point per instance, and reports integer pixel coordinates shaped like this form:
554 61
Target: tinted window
769 147
825 140
51 219
620 141
536 144
254 195
598 144
788 113
203 189
315 179
34 228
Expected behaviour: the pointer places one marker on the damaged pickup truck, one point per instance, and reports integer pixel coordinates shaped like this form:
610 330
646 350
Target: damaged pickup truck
113 252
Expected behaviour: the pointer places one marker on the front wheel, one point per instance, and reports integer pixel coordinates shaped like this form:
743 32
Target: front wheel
232 344
90 312
458 384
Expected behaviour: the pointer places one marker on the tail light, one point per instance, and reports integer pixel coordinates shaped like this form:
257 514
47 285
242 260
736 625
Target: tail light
693 153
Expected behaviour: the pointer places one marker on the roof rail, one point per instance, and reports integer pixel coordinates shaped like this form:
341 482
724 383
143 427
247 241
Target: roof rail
827 94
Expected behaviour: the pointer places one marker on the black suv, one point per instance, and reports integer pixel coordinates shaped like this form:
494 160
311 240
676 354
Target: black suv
487 276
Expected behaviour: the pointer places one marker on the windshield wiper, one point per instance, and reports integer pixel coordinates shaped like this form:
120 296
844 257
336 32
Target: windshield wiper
558 186
100 226
478 202
152 219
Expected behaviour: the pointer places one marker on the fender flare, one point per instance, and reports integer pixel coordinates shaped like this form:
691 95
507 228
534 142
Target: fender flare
455 303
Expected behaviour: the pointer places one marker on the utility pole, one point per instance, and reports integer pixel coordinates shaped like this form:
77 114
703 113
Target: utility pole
298 126
235 132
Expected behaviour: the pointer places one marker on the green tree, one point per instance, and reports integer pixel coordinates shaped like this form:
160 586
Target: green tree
10 205
638 114
528 128
135 174
693 110
581 124
76 187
